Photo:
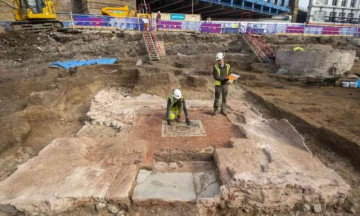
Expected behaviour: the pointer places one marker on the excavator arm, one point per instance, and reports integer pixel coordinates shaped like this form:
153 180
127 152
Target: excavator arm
4 2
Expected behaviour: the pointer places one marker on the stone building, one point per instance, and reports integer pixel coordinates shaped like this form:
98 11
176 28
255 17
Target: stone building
335 11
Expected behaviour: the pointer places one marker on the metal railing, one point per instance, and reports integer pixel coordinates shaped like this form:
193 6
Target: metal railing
258 45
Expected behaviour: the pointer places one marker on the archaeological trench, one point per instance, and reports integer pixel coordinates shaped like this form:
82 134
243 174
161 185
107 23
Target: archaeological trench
93 140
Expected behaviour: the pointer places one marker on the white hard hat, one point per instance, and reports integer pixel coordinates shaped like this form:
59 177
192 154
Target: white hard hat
220 56
177 94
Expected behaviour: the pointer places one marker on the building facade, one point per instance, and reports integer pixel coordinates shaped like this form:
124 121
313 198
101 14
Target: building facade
334 11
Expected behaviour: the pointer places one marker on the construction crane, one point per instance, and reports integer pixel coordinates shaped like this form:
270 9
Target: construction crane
33 15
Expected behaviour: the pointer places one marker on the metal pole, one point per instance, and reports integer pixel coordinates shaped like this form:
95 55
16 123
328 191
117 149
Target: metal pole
192 7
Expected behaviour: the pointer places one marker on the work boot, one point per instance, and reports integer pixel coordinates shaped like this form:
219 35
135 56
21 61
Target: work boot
215 112
223 112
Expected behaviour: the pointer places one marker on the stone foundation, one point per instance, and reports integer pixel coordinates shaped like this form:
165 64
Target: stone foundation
329 63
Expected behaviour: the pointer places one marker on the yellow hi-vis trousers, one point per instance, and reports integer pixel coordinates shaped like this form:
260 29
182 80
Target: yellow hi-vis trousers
174 112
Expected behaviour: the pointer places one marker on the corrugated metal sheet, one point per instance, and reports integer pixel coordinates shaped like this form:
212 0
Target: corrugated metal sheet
188 17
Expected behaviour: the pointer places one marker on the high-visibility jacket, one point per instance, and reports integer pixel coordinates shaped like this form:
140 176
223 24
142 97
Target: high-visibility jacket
172 99
178 110
298 49
217 82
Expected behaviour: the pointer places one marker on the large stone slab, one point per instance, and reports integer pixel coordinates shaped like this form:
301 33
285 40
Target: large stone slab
164 186
72 172
175 186
206 184
325 63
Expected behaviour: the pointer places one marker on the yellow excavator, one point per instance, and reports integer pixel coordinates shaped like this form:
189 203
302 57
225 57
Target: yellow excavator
124 12
33 15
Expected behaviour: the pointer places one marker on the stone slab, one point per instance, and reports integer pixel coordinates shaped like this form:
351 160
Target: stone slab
325 63
180 129
206 185
70 172
273 169
97 131
163 186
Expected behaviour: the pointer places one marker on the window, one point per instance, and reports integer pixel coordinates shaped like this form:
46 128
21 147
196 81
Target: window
319 16
334 2
332 16
350 17
321 2
352 3
343 3
342 17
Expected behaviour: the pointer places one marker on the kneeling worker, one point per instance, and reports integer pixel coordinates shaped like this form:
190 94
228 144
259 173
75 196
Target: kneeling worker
175 105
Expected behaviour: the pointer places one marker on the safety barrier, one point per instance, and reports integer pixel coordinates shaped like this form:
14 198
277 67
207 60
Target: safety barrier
105 22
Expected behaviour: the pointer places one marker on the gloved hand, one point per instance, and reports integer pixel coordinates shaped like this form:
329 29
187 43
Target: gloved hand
178 118
187 121
168 121
226 79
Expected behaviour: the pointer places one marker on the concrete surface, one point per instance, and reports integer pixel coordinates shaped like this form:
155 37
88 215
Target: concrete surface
327 63
71 172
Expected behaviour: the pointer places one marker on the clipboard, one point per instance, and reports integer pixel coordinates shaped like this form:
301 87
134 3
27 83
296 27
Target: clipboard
233 77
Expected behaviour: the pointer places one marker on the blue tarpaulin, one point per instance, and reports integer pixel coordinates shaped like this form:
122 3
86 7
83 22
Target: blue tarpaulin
75 63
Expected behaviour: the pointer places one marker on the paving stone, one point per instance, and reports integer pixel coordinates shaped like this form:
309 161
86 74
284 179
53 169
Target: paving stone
173 165
317 208
112 208
167 187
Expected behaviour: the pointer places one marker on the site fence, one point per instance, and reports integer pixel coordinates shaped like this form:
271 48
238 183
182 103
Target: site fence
240 27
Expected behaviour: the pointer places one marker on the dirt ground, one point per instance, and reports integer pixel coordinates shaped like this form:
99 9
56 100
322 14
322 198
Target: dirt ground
39 104
317 109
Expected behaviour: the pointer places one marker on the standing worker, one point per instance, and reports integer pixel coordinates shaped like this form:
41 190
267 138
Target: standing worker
175 105
146 23
220 73
158 20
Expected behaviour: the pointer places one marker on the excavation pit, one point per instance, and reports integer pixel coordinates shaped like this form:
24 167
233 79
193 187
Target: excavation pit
179 177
